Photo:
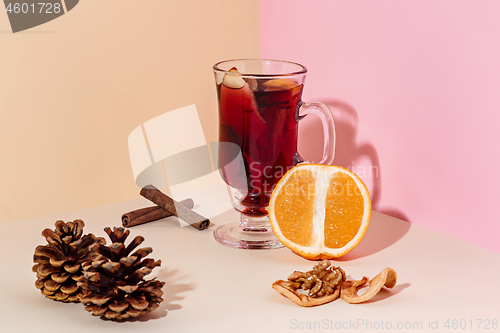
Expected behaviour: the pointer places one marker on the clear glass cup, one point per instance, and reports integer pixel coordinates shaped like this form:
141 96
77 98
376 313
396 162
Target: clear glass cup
260 106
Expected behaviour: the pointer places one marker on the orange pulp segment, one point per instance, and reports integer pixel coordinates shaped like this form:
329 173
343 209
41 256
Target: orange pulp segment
320 211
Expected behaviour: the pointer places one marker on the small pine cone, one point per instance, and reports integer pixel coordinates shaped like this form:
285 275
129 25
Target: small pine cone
113 286
58 265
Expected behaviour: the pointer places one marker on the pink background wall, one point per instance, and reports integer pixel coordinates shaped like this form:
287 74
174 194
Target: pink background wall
414 87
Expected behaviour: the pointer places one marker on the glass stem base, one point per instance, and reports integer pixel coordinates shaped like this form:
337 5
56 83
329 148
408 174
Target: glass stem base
249 233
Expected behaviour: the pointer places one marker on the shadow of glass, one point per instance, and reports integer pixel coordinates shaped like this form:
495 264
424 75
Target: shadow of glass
362 158
394 212
173 289
382 233
349 151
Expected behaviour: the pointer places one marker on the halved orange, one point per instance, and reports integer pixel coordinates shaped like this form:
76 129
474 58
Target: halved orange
320 211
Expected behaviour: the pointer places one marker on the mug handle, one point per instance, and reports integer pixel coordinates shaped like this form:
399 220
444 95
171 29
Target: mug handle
326 117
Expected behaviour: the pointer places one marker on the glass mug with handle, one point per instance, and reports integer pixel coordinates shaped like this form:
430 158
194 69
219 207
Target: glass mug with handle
259 109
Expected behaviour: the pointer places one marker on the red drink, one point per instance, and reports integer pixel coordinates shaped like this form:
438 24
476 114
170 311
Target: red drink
258 118
259 108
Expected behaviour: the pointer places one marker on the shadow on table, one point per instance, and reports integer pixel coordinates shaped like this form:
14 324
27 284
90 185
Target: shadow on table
382 233
229 216
173 289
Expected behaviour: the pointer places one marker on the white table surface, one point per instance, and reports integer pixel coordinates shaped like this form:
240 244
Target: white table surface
213 288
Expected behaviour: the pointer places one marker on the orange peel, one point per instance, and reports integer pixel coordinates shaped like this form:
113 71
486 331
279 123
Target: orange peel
286 288
280 84
387 278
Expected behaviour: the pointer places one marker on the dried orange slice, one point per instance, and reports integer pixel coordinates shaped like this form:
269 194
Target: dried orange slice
280 84
320 211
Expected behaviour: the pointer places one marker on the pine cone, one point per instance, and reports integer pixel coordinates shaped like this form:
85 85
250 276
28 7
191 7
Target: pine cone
58 265
114 285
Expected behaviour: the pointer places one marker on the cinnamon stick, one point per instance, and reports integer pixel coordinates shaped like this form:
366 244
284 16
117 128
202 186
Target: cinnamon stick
184 213
149 214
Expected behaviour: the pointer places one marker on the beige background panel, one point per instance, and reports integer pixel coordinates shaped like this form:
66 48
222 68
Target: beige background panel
73 89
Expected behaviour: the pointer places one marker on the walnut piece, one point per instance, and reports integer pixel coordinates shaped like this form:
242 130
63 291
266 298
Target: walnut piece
322 284
321 281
